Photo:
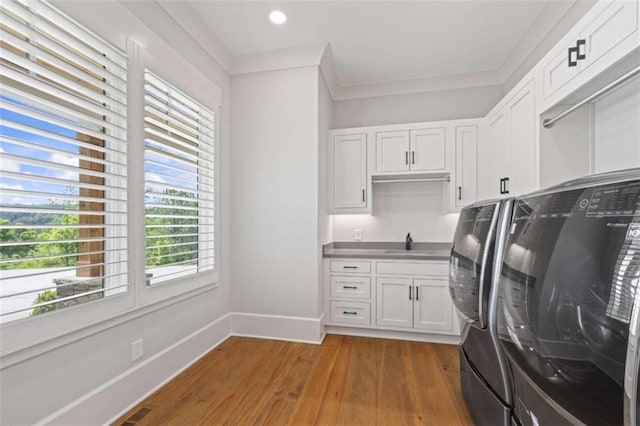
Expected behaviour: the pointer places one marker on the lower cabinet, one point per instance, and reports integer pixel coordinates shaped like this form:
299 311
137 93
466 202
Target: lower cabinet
414 303
383 294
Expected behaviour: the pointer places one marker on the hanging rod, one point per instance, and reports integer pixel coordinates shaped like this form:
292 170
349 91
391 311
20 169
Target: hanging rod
548 123
442 179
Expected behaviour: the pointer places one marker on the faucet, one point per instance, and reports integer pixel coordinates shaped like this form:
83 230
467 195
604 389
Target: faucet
408 241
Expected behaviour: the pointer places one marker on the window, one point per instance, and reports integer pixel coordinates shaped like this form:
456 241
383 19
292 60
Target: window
63 163
179 183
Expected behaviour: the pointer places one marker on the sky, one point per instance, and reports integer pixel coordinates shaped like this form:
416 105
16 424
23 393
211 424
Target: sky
8 135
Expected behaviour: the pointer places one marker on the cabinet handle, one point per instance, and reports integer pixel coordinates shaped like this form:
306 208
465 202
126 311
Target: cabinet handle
406 157
349 313
506 185
413 157
363 195
417 294
502 186
352 287
410 289
459 193
579 54
349 267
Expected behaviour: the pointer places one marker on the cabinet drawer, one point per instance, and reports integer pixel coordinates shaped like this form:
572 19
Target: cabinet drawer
350 287
350 266
351 312
413 268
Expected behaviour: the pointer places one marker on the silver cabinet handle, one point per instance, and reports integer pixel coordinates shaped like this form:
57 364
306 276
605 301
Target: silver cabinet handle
406 157
459 193
349 313
417 294
413 157
363 195
349 267
410 290
352 287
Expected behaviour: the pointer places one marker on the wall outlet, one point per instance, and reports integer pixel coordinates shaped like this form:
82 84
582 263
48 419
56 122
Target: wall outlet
137 350
357 234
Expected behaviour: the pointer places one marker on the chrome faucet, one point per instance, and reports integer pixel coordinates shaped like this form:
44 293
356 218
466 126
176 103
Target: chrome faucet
408 241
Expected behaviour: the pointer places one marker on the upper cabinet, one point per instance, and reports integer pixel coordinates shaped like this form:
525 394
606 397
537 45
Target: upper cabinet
607 33
348 183
440 153
392 151
416 150
512 143
466 169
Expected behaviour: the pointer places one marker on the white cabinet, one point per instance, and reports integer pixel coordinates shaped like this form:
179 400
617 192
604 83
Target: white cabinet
415 150
511 141
428 150
429 312
414 303
394 302
390 295
348 183
466 170
392 151
608 32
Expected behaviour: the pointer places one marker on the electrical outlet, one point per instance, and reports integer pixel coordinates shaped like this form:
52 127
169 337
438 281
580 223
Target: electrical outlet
357 234
137 350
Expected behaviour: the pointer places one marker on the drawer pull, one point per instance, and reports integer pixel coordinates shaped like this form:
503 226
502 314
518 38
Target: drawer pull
349 313
352 287
417 294
350 267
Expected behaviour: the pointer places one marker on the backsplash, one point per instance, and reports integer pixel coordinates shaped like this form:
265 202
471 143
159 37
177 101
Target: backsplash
398 208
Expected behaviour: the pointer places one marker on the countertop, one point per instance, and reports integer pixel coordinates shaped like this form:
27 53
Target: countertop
387 250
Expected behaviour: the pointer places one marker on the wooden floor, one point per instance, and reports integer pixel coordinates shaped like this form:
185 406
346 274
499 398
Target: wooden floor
344 381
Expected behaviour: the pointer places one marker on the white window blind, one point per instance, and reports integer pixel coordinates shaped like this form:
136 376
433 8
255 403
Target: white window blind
179 183
63 162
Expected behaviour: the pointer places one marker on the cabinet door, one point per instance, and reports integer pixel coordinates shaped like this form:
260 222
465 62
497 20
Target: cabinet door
614 24
394 302
557 72
522 135
432 308
349 172
392 151
428 149
500 150
466 176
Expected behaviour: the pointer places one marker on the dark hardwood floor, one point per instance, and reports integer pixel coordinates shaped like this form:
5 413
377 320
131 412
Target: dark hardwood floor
344 381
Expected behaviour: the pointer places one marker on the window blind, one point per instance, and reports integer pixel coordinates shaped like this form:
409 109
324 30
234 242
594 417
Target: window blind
63 162
179 183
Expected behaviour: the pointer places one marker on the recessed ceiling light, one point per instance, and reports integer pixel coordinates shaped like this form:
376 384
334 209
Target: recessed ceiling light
278 17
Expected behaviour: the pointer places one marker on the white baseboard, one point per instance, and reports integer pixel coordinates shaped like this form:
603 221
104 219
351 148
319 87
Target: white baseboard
277 327
396 335
137 383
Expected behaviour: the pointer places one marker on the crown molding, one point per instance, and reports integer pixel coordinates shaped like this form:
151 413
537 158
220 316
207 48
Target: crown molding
294 57
418 85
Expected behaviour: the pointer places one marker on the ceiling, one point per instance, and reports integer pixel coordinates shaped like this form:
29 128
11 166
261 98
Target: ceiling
376 42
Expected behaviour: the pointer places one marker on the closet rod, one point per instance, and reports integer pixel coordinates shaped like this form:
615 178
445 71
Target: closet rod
548 123
444 179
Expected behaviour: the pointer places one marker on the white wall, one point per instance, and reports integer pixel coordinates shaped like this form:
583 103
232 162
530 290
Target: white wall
398 208
274 193
34 384
416 107
617 129
325 106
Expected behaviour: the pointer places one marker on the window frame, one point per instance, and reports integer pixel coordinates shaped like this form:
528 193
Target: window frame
28 337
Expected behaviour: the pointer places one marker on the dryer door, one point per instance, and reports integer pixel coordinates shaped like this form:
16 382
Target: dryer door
471 260
570 271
